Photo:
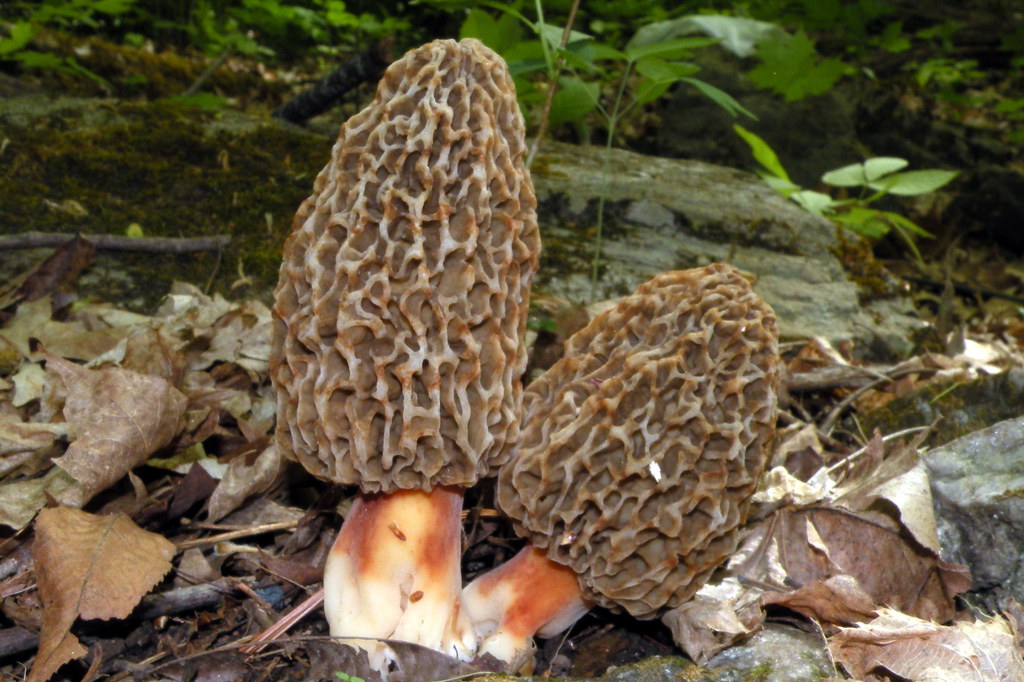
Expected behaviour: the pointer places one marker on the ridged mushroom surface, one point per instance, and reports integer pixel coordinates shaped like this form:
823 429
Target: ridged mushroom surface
642 446
403 296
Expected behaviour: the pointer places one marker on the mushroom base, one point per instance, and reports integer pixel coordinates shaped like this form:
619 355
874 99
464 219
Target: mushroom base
526 596
393 573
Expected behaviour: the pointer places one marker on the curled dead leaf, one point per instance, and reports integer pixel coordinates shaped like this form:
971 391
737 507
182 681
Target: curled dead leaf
915 649
119 417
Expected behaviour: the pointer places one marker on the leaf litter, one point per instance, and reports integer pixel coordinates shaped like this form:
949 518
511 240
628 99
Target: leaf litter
137 467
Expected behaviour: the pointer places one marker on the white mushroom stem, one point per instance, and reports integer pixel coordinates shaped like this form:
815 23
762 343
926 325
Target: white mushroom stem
393 573
528 596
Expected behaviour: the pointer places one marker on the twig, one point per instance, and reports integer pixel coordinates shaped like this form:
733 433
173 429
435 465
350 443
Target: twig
885 439
234 534
830 420
115 242
283 624
553 86
205 75
17 640
965 289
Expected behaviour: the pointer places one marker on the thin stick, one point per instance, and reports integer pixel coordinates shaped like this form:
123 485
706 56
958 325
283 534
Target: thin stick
205 75
856 454
232 535
553 86
116 242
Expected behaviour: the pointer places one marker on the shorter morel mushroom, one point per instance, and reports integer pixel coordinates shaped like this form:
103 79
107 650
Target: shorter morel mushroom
398 334
639 454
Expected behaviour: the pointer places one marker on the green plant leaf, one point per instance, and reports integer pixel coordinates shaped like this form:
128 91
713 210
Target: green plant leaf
499 33
648 90
814 202
40 60
791 67
860 174
914 183
658 69
553 34
580 55
763 153
876 167
721 98
738 35
573 100
111 6
783 186
864 221
669 49
21 33
903 223
604 51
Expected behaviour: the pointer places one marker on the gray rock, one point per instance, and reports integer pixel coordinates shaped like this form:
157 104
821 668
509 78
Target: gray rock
778 653
978 490
665 214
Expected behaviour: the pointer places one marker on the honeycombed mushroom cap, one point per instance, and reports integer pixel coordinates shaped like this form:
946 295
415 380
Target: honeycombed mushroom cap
402 301
642 446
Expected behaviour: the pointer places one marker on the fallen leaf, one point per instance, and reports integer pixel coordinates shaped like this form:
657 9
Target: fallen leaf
91 567
717 617
119 417
244 479
20 500
836 599
17 437
900 479
31 382
67 339
898 644
60 269
813 544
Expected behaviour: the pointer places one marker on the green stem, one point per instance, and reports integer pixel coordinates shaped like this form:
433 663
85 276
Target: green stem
613 122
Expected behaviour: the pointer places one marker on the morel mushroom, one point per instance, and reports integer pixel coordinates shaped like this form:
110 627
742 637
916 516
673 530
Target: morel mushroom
398 334
639 453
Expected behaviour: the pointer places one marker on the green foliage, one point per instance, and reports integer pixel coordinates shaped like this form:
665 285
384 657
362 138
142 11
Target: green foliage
875 178
63 14
791 67
595 79
347 677
259 28
271 28
946 73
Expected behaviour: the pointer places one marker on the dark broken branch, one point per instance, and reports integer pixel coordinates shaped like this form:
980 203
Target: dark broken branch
367 66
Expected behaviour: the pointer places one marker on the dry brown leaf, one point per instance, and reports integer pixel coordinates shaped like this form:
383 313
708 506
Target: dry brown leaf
716 618
89 566
836 599
120 419
915 649
67 339
17 437
20 500
244 479
814 544
31 382
900 479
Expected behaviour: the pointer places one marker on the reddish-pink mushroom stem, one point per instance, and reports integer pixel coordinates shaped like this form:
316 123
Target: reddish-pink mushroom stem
394 568
529 595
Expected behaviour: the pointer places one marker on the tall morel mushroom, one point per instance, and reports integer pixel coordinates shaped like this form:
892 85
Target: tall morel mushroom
398 334
640 451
